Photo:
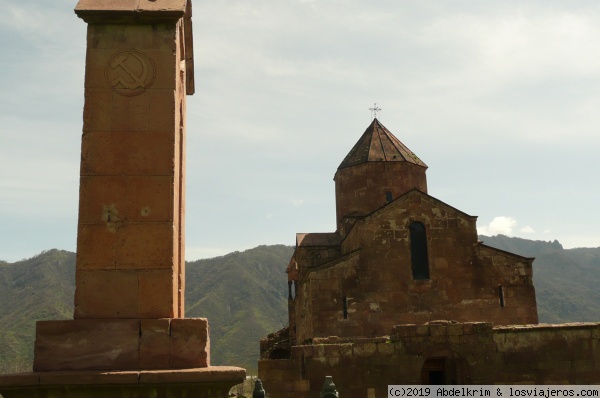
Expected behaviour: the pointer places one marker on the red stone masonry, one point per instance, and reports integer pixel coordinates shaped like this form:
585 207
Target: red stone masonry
129 336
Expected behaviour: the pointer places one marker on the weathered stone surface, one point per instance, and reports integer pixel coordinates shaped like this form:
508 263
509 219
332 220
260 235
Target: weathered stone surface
195 375
122 344
86 344
156 299
106 294
209 382
190 345
154 343
131 203
130 11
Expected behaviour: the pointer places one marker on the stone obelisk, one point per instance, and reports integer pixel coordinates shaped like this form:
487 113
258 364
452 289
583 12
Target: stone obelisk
129 336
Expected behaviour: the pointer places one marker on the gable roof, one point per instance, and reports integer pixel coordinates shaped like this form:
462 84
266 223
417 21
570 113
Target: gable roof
386 207
378 144
423 195
317 239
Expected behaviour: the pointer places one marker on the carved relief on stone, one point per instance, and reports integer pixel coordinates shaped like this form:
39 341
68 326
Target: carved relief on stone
130 72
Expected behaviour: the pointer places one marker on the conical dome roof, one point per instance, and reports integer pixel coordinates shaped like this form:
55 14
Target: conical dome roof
378 144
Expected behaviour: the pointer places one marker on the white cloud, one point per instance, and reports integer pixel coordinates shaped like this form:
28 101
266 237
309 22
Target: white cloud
527 230
499 225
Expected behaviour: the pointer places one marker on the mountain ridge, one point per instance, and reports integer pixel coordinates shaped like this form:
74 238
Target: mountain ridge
244 295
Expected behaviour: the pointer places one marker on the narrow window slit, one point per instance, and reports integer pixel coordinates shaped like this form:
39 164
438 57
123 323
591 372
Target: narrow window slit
345 304
418 251
389 197
501 295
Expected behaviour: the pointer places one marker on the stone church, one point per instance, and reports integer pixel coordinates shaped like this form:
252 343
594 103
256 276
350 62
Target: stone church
403 292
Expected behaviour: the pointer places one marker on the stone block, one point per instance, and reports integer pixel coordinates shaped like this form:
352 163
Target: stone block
582 365
166 65
95 66
162 117
194 375
149 5
150 198
19 379
109 153
318 351
332 350
422 330
302 385
213 381
386 349
87 344
482 327
140 36
96 110
130 114
455 329
154 343
106 5
86 377
146 246
190 346
364 350
405 330
345 350
96 247
468 328
106 294
130 12
102 199
155 292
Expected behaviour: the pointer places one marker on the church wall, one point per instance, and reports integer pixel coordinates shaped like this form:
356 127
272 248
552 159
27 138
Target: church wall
464 283
362 188
549 354
475 353
515 275
314 256
304 314
321 302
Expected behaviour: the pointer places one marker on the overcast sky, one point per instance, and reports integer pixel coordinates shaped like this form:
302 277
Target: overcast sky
500 98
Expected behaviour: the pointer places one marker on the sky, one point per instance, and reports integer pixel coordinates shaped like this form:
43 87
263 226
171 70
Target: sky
500 98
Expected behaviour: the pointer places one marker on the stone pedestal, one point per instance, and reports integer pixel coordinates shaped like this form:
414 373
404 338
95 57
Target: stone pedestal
129 337
210 382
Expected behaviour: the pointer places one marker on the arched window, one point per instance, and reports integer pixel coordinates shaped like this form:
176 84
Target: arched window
418 251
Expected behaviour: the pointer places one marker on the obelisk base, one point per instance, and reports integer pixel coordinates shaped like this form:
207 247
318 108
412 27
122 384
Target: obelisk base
121 344
209 382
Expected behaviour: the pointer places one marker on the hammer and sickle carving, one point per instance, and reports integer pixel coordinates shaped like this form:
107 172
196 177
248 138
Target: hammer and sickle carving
130 72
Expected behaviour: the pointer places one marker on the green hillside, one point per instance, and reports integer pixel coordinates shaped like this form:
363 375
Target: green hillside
243 295
39 288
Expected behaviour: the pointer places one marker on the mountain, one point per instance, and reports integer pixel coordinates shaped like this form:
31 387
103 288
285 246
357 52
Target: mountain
244 295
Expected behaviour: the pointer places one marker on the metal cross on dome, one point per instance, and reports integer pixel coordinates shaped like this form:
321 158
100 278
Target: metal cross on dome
374 110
